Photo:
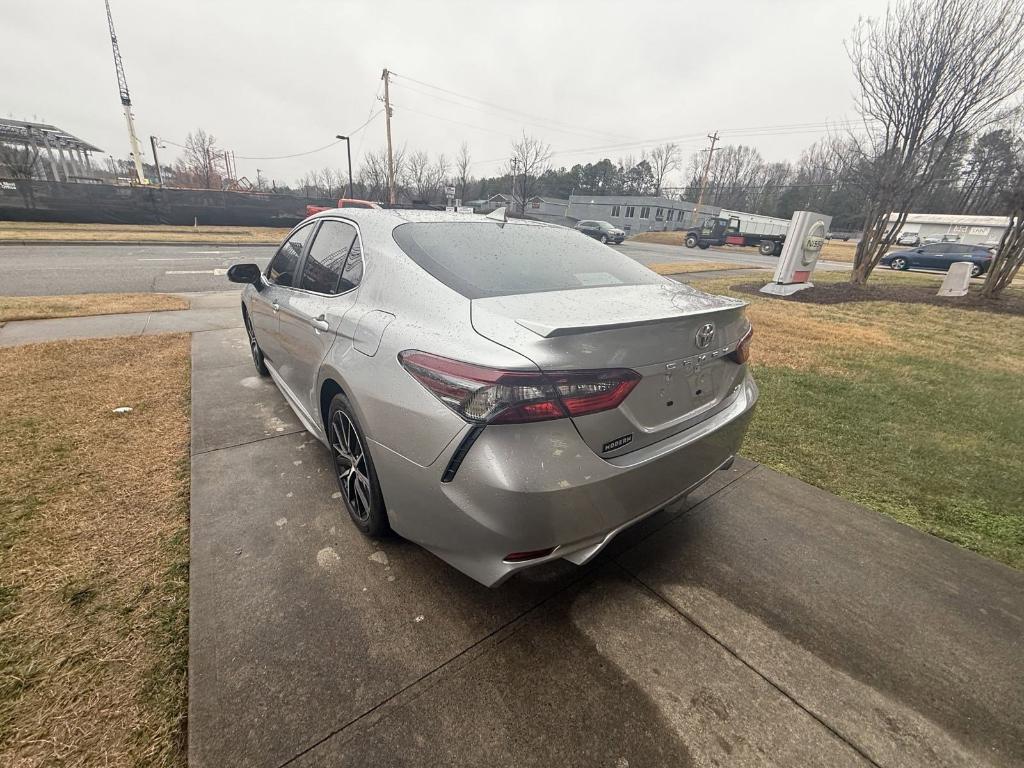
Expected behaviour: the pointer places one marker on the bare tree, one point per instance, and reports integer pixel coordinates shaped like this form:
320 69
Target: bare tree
20 162
531 157
664 159
931 73
202 163
417 175
373 174
462 164
438 177
1009 256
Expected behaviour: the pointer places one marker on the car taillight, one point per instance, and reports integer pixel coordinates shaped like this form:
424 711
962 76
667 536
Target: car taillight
494 396
742 352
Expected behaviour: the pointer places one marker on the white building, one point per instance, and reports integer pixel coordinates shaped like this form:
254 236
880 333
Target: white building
971 230
637 213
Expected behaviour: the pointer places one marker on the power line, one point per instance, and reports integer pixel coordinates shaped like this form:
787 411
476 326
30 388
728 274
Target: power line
780 130
541 123
503 108
450 120
312 151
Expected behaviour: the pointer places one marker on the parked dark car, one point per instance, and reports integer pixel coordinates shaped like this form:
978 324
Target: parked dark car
940 256
602 230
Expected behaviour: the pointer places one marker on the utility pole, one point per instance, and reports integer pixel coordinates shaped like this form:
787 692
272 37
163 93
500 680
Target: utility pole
704 177
514 162
386 77
348 149
156 160
259 181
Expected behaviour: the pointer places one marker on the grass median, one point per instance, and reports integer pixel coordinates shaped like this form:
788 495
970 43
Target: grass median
30 232
890 397
83 304
685 267
833 250
94 543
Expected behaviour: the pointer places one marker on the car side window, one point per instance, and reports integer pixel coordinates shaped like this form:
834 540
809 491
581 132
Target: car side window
325 263
352 274
282 267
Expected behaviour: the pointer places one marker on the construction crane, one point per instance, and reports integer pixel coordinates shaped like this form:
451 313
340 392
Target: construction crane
126 100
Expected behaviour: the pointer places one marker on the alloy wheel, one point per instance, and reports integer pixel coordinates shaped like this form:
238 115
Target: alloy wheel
350 464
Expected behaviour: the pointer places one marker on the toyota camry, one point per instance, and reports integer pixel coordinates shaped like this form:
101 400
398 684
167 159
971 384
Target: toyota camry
501 392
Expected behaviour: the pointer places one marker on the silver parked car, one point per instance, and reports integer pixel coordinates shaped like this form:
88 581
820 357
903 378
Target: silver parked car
501 393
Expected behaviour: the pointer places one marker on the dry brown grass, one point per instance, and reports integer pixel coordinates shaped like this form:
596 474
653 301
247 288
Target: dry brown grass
825 337
42 232
664 238
40 307
834 250
837 250
684 267
94 535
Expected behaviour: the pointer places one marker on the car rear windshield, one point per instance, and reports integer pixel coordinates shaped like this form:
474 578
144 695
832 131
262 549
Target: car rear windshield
482 259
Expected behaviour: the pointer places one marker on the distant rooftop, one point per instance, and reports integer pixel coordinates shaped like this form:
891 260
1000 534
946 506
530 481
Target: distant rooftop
21 132
955 219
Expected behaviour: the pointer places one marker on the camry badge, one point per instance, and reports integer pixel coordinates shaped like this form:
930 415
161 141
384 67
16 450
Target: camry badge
704 336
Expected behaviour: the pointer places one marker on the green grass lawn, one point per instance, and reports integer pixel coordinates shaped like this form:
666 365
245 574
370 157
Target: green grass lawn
912 409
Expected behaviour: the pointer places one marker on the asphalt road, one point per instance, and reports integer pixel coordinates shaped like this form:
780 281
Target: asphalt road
49 270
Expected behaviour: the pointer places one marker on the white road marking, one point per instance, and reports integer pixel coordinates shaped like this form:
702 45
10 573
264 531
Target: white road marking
211 251
186 258
196 271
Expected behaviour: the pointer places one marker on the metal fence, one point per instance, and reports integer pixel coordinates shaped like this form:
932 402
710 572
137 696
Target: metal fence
22 200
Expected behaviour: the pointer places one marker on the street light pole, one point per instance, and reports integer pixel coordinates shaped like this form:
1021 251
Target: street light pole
153 141
348 150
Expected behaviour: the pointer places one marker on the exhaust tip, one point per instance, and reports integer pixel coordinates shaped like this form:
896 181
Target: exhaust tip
534 554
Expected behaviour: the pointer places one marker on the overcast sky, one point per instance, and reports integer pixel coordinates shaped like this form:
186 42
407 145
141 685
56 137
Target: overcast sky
593 79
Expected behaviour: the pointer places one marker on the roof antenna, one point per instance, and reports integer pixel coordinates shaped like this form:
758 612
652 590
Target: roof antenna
499 215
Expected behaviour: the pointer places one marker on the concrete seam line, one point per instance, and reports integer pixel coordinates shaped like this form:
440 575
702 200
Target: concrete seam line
735 654
298 430
469 654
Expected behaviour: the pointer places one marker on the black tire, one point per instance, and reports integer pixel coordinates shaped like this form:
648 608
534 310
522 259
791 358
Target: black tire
976 270
254 347
766 248
604 239
354 470
703 245
691 241
899 263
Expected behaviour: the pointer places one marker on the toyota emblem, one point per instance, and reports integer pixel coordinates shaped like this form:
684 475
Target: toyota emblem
704 335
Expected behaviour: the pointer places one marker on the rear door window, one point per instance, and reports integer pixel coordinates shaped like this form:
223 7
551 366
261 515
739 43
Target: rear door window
481 259
286 261
325 264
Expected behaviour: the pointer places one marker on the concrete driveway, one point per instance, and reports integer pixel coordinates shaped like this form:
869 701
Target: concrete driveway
761 622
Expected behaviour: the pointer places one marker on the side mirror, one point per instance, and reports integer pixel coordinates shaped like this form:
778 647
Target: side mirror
246 273
920 250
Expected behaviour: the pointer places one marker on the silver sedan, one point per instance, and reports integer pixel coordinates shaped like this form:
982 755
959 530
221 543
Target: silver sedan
503 393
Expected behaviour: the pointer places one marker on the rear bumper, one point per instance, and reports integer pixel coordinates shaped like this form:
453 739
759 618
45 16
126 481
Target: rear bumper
536 486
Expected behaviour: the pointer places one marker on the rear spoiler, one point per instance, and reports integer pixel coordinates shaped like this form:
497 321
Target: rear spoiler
550 331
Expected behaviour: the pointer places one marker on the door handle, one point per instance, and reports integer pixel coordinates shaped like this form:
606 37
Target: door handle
275 306
320 324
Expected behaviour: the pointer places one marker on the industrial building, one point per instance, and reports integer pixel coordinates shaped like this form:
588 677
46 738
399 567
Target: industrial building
43 152
638 213
971 230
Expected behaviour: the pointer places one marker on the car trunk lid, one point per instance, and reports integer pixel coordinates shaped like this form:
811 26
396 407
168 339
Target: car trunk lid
652 329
